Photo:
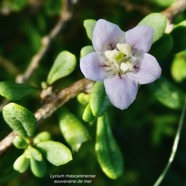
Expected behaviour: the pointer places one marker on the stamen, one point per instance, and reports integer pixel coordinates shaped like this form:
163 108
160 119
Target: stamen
124 48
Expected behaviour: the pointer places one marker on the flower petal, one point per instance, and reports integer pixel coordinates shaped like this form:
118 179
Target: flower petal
149 69
90 66
140 37
106 35
121 91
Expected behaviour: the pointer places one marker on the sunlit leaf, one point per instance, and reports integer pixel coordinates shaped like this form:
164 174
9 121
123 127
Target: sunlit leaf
63 66
56 153
21 164
86 50
14 91
19 142
99 101
20 119
107 150
89 27
158 22
72 129
178 68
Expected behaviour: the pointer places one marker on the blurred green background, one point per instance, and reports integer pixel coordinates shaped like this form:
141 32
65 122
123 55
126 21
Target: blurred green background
144 132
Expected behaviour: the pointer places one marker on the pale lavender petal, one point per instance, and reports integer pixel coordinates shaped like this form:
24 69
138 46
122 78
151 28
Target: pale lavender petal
90 66
148 69
106 35
121 91
140 37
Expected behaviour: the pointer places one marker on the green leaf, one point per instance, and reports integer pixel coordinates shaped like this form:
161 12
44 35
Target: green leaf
99 101
20 119
55 152
108 153
21 164
158 22
178 68
83 98
43 136
179 36
35 153
89 27
19 142
86 50
72 129
87 114
38 168
168 94
64 65
163 3
14 91
161 49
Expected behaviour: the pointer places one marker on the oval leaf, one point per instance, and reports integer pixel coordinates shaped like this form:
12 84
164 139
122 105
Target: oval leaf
34 153
20 142
83 98
107 150
168 94
158 22
178 68
89 27
99 101
64 65
20 119
14 91
38 168
72 129
43 136
87 114
86 50
55 152
21 164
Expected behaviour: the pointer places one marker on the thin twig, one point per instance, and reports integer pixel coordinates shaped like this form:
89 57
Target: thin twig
66 15
56 101
174 9
174 147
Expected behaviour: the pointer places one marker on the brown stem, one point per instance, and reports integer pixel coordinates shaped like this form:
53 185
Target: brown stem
56 101
66 15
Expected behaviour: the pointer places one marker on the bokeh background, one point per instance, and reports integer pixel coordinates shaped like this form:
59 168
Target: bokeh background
145 131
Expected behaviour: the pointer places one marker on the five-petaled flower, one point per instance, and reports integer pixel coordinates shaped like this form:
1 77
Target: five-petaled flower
121 61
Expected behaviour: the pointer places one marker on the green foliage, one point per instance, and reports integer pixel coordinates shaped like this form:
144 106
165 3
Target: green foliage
158 22
107 150
87 114
179 36
86 50
22 163
162 3
38 168
89 27
64 64
162 48
72 129
19 142
99 102
178 68
20 119
34 153
43 136
55 152
168 94
83 98
14 91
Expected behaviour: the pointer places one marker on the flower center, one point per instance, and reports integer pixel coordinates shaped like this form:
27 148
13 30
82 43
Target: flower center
119 59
